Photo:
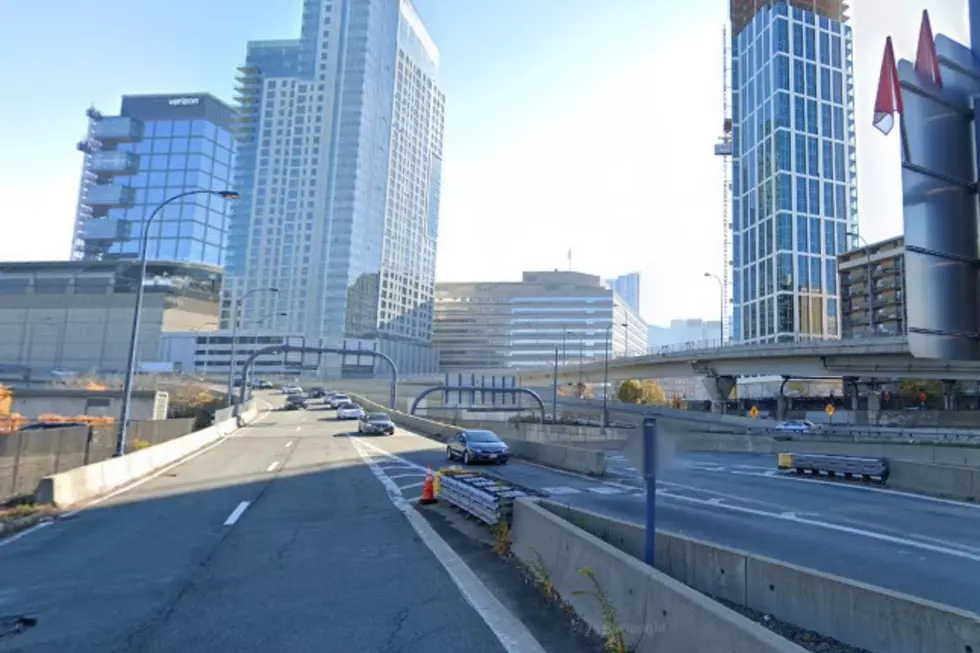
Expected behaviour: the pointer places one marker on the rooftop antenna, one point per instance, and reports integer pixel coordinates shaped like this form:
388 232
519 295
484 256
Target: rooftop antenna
569 259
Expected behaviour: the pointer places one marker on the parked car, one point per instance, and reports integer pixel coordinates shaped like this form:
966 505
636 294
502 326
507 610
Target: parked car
349 411
797 426
472 446
336 401
295 402
317 393
376 423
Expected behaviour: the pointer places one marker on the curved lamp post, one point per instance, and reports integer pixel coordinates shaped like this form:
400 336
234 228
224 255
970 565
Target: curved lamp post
721 316
236 307
138 310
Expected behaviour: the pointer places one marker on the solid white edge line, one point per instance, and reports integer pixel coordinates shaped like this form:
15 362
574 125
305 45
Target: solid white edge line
412 485
891 539
163 470
273 466
237 513
512 634
24 533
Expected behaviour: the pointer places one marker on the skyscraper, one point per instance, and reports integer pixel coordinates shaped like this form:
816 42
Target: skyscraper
794 194
340 138
627 286
157 147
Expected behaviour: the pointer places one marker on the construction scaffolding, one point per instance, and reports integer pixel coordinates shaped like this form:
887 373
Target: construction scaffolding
723 148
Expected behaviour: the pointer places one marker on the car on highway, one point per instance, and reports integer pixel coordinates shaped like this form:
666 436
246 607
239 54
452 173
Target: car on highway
796 426
261 384
292 390
317 393
474 445
338 400
349 410
376 423
295 402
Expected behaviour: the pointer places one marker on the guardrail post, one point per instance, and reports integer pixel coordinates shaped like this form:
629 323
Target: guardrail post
650 472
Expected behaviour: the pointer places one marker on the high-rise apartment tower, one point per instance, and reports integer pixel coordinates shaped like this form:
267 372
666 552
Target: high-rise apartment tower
340 140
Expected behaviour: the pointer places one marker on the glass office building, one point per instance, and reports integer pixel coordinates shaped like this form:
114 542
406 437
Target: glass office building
794 196
627 286
157 147
340 156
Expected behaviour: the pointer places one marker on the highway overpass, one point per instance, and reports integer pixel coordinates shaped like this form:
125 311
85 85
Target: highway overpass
885 357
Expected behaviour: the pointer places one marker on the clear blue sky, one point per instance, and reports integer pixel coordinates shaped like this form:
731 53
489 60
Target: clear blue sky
568 127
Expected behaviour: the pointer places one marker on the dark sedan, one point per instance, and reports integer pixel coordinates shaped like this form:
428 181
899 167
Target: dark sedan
377 423
473 446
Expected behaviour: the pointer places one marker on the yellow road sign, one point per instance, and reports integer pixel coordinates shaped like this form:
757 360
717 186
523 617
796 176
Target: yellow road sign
754 412
830 410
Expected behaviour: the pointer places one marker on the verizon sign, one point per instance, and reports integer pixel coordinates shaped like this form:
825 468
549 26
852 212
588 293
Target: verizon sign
185 101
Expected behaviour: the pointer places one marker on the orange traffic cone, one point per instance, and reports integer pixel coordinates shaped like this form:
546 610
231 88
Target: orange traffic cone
428 489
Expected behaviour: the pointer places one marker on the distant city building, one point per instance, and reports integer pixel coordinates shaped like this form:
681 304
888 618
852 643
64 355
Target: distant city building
157 147
696 332
340 165
794 192
886 260
77 315
520 324
627 286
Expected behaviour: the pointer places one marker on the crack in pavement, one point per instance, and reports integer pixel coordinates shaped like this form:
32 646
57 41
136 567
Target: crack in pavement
401 618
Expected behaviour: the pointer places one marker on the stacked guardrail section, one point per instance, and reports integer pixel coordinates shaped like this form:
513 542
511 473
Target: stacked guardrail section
489 499
846 466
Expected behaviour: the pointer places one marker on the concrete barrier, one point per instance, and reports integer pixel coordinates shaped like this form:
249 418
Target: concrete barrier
950 481
85 483
654 612
584 461
861 615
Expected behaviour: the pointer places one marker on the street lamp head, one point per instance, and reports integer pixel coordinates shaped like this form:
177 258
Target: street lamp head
228 194
707 274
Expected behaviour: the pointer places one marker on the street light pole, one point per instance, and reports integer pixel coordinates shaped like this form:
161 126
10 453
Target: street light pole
235 308
605 375
207 349
721 303
554 401
138 310
871 310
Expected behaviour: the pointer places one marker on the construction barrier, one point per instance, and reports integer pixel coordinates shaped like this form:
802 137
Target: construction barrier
489 499
846 466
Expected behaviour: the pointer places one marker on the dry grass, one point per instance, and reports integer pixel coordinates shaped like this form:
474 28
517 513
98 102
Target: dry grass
26 510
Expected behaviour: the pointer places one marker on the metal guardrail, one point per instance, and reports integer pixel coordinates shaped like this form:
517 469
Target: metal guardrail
489 499
846 466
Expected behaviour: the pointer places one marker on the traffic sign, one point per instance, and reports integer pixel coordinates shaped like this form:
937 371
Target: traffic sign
754 412
830 410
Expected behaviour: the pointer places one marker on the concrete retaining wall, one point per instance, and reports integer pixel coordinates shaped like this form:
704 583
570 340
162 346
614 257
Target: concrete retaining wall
854 613
654 611
584 461
85 483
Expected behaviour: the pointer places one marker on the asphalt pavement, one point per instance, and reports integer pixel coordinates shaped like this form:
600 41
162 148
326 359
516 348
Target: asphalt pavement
922 546
280 538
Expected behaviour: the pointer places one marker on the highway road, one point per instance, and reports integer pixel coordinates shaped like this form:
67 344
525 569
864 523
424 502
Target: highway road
918 545
279 538
923 546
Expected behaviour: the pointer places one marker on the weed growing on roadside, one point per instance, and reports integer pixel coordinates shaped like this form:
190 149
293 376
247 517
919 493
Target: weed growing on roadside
542 575
501 538
612 632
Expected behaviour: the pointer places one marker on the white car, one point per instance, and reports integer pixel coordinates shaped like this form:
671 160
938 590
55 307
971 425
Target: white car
292 390
349 411
797 426
337 401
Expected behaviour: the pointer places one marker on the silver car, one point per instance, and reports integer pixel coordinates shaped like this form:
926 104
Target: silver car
376 423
